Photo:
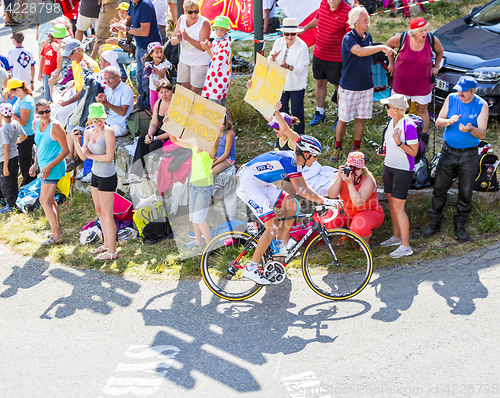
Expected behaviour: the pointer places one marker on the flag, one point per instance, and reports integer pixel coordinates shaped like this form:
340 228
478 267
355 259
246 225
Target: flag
304 12
240 12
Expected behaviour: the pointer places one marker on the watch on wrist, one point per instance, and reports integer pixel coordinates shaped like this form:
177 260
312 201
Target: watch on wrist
127 28
401 143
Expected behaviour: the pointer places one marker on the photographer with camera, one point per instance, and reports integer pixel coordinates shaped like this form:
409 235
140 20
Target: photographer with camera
400 148
357 187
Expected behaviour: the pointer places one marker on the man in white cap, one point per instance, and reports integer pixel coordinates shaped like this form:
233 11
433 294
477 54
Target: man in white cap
464 117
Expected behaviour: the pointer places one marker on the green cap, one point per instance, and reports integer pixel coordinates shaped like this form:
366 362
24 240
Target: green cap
96 111
222 22
59 31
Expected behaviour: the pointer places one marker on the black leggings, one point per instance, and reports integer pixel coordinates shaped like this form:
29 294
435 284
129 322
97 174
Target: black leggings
25 150
8 185
138 164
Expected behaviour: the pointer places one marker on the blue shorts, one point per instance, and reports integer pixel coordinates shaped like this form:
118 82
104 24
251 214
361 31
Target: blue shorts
54 182
199 202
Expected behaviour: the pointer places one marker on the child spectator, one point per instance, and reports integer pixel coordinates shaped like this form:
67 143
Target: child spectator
49 57
200 190
10 134
219 72
123 16
156 66
226 151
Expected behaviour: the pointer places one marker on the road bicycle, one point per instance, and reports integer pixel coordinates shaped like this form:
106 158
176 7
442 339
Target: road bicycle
337 263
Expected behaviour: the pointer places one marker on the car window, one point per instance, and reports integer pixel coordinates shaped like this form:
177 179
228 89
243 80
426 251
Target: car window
489 16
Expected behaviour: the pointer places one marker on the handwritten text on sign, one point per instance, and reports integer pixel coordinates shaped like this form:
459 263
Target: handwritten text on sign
267 86
194 118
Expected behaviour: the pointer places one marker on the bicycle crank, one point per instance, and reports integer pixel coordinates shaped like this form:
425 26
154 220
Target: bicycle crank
274 272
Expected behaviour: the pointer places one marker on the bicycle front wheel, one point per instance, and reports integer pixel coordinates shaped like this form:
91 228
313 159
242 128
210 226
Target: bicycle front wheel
341 276
222 262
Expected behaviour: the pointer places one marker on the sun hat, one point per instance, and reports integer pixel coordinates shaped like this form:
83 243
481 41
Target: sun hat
59 31
111 57
418 22
70 45
290 25
96 111
222 22
274 123
356 159
465 83
123 6
12 84
398 101
153 46
6 109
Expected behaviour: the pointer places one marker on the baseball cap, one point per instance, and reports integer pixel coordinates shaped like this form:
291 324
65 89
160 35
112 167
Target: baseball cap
416 23
465 83
356 159
274 123
398 101
123 6
12 84
153 46
6 109
70 45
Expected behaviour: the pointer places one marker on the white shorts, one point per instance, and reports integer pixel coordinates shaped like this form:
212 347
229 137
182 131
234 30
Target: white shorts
84 23
260 196
419 99
355 104
119 130
193 74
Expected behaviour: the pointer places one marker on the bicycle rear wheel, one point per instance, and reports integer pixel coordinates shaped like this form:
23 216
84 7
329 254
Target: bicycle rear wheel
220 271
343 277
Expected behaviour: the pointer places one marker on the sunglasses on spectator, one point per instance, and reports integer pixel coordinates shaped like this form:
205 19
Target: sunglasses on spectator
42 112
388 107
193 12
288 34
99 119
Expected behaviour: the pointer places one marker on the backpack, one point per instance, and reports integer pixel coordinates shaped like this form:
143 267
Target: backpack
157 230
138 121
487 178
421 174
402 39
419 123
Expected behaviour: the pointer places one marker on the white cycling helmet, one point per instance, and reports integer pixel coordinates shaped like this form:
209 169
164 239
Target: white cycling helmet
307 143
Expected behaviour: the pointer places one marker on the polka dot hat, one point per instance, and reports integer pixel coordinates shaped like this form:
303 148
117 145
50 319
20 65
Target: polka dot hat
6 110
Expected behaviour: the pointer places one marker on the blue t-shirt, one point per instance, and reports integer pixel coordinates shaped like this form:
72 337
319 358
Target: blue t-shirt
26 103
144 12
275 166
470 112
356 71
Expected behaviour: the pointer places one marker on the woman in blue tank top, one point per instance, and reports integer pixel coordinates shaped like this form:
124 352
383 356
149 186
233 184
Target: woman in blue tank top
51 149
99 145
226 151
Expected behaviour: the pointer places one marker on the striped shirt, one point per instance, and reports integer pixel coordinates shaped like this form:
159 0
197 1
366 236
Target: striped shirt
332 26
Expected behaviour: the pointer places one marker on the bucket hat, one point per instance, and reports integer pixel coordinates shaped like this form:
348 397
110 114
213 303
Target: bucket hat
96 111
59 31
356 159
222 22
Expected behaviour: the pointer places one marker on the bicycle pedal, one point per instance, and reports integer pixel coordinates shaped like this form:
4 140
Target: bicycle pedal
274 272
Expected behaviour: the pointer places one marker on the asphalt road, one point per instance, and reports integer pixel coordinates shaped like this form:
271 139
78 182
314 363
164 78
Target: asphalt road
426 331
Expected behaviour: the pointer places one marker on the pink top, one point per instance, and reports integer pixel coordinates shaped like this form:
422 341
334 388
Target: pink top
412 70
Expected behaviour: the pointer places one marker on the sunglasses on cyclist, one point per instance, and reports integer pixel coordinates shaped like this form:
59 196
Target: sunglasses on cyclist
289 34
193 12
42 112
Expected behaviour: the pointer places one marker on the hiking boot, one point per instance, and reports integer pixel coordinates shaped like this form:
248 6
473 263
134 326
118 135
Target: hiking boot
317 119
462 235
255 276
392 241
431 230
336 155
401 251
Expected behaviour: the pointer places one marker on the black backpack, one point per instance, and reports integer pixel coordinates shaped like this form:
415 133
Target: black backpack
487 178
156 231
402 39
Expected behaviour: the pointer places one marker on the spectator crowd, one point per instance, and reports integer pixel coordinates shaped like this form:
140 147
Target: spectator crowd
88 98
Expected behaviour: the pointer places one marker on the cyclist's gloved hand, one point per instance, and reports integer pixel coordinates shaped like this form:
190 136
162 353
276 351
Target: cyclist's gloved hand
331 203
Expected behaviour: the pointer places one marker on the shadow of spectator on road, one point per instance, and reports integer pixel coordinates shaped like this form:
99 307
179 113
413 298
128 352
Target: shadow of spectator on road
25 277
224 340
91 290
455 279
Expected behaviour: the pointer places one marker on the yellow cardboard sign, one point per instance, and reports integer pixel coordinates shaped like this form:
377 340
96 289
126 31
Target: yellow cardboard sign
267 86
194 119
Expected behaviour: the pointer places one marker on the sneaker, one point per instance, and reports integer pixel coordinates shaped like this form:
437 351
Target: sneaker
336 155
392 241
87 178
80 175
401 251
6 209
317 119
281 252
255 276
132 179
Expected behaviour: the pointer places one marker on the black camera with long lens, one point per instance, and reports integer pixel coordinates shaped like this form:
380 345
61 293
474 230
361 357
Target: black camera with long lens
347 170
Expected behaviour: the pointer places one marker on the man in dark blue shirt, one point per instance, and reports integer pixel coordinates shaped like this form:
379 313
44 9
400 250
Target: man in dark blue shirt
145 30
356 83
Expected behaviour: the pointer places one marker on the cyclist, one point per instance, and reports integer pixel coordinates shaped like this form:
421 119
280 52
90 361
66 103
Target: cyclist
256 189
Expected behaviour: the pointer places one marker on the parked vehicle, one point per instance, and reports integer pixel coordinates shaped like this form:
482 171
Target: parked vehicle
472 47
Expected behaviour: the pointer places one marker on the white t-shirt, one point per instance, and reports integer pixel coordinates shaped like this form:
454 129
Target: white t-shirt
8 136
154 79
21 59
395 157
161 11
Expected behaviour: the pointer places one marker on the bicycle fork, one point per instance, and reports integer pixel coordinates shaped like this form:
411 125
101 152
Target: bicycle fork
324 235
